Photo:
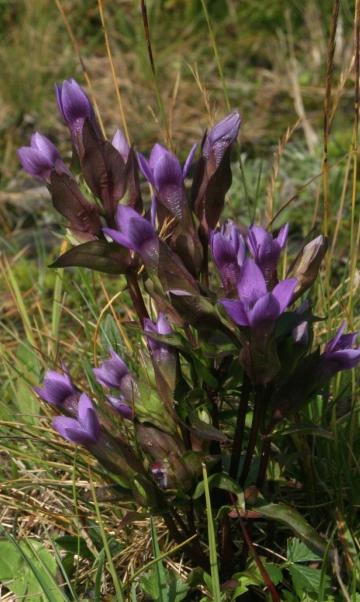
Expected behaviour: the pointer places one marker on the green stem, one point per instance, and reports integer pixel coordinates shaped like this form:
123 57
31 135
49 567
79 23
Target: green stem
264 461
240 427
256 423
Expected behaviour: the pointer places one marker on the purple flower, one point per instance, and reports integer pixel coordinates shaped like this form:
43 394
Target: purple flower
257 308
135 233
161 326
301 333
114 373
265 249
123 408
221 136
339 353
164 172
41 157
58 389
228 250
74 106
85 429
121 144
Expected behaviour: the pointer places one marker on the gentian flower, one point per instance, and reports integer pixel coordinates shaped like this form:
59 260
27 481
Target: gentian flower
265 249
119 404
135 233
114 373
212 178
221 136
85 429
59 390
257 308
161 326
340 353
228 251
121 144
41 157
74 106
164 172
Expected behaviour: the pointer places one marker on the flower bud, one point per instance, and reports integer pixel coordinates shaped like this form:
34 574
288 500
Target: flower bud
307 265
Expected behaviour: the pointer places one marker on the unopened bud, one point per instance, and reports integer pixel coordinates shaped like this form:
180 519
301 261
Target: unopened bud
307 265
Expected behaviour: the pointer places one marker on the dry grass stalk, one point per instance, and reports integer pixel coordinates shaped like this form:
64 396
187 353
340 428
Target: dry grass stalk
271 187
327 112
112 69
81 61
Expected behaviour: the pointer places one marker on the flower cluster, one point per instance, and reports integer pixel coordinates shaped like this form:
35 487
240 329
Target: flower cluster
237 327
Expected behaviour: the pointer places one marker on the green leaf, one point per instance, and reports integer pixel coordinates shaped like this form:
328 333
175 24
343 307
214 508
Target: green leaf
75 545
97 255
159 567
219 480
28 570
274 571
214 569
298 551
304 578
291 518
309 429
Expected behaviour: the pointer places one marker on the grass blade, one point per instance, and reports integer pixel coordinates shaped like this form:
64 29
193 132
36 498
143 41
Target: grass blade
117 585
216 593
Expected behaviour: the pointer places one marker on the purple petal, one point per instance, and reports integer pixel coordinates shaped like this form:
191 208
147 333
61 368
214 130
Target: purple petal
145 168
70 429
346 341
121 239
157 152
138 233
265 311
88 418
167 172
348 358
332 344
163 326
257 238
120 142
222 250
284 291
252 283
124 214
74 102
57 387
112 371
236 311
121 407
45 146
189 160
345 359
283 235
221 136
34 162
58 89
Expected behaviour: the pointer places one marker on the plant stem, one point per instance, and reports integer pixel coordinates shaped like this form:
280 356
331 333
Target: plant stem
264 461
136 296
256 422
240 426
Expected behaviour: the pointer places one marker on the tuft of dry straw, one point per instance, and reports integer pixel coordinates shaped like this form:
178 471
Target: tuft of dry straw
271 187
328 112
